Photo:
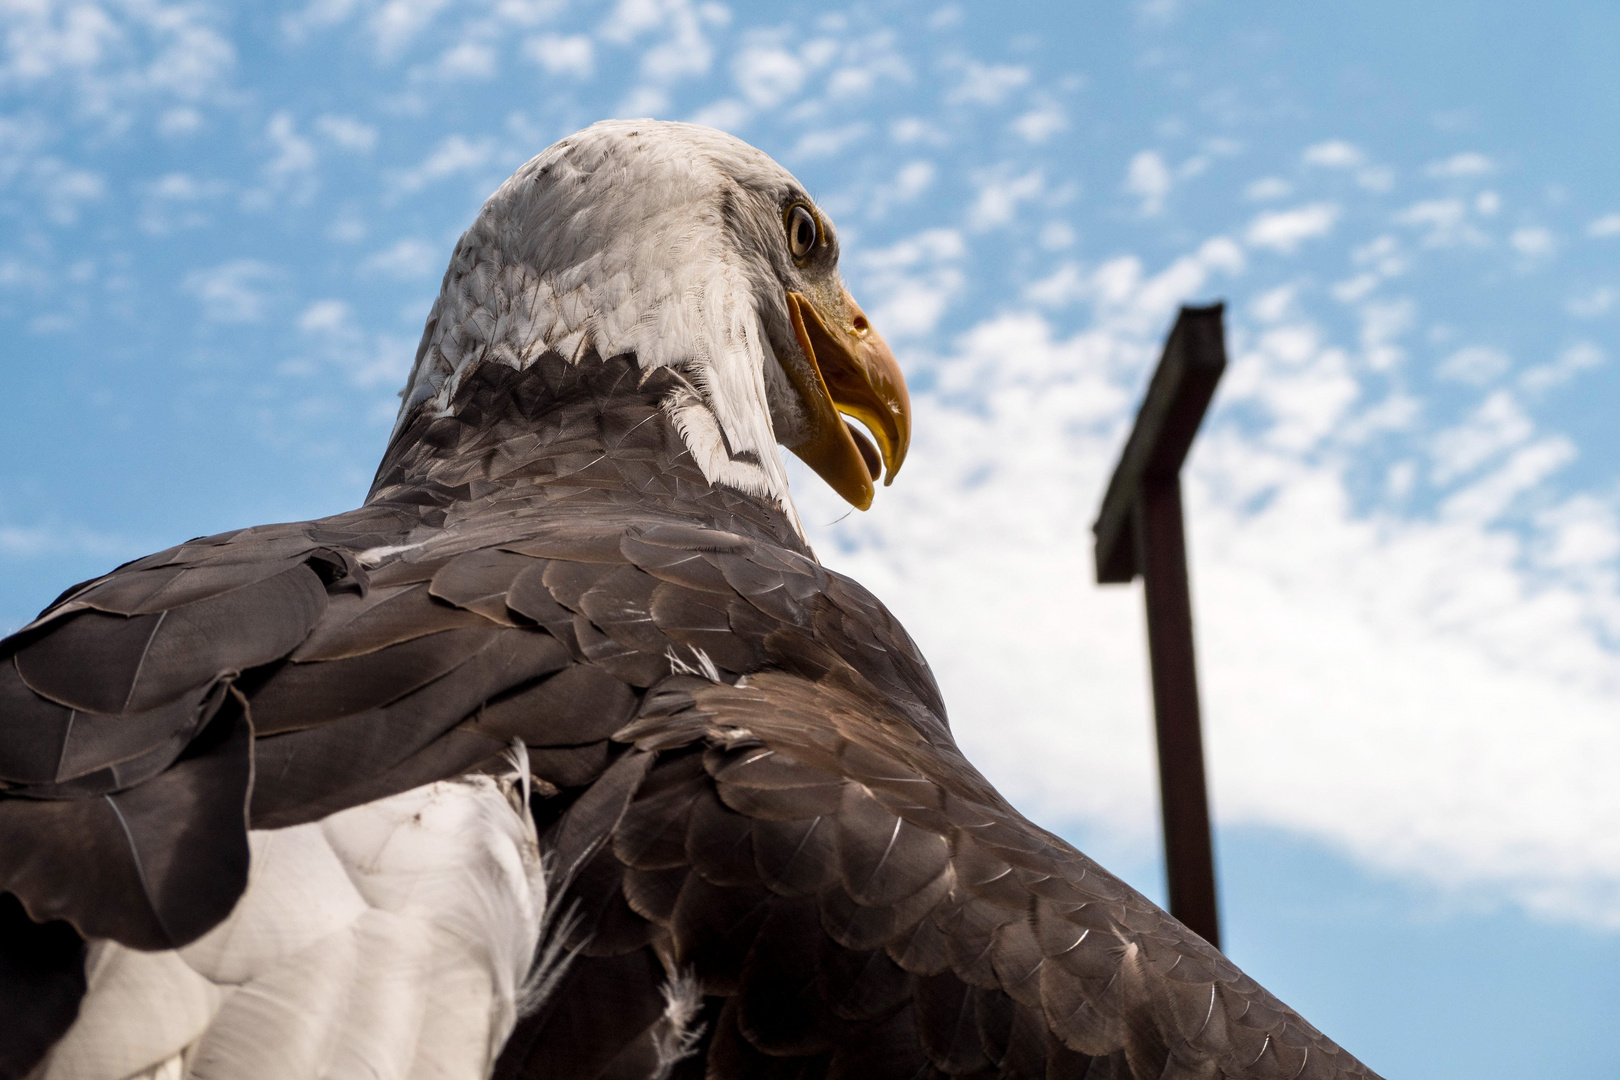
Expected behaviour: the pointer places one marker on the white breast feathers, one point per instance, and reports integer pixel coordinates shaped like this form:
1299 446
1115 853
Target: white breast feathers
389 941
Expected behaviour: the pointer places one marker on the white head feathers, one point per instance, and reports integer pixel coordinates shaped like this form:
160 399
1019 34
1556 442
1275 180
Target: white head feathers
632 236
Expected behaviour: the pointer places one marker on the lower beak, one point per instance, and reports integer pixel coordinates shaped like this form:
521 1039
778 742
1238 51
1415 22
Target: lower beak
852 372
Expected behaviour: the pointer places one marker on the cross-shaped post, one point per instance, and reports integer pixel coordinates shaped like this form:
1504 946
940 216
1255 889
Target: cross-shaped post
1139 531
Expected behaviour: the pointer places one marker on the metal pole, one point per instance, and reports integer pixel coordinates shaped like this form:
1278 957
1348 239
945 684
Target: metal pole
1188 849
1140 531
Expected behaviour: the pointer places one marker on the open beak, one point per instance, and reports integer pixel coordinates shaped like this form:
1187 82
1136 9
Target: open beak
852 372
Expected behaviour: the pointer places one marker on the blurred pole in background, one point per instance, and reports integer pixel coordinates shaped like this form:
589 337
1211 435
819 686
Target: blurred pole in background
1139 530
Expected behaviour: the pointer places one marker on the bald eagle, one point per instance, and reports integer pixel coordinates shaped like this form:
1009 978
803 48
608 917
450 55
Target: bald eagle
563 756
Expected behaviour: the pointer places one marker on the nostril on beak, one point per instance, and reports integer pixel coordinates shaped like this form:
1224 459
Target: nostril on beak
860 324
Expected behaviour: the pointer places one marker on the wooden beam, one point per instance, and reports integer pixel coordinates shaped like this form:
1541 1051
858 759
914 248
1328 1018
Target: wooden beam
1140 531
1177 395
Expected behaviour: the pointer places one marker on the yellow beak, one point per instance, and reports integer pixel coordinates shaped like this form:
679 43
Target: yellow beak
852 372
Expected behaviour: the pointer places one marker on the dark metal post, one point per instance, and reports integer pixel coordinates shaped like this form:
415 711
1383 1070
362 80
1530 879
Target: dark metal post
1140 531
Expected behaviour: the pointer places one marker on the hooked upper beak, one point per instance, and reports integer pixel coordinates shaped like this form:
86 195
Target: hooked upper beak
852 372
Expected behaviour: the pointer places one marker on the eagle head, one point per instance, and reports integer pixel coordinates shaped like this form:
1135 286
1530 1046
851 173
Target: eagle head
687 248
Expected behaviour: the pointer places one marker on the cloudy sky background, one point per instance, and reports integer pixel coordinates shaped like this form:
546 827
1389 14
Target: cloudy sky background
221 228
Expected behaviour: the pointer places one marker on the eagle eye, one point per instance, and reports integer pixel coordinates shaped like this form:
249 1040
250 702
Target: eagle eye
801 229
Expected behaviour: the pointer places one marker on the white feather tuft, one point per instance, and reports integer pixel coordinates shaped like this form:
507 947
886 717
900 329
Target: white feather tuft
678 1031
703 667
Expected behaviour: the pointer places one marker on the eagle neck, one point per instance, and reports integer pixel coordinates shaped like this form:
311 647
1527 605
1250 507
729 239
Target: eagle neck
572 437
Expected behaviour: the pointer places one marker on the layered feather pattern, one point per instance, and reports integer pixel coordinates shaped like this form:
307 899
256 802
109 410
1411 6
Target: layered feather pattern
744 776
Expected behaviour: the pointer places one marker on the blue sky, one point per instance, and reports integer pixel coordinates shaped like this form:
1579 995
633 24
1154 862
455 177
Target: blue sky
221 228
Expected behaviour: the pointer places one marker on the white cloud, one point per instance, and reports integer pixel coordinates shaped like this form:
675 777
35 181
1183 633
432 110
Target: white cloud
1057 235
1355 288
1038 125
179 122
1379 260
1118 290
1476 364
986 84
113 59
347 228
337 341
1376 178
1461 165
317 15
1284 230
325 317
768 75
528 12
396 23
1148 178
685 50
912 281
913 179
1533 242
1382 325
1267 188
850 82
409 258
178 201
455 155
1607 225
1579 357
1581 533
238 291
1499 424
816 144
1335 154
999 197
64 189
1275 304
292 164
727 114
644 100
30 541
467 60
347 132
1446 221
910 129
182 187
563 54
1592 302
1490 497
910 180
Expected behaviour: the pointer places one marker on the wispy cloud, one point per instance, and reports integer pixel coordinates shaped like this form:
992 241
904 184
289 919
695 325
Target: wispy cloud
1335 154
455 155
113 58
1148 178
346 132
1533 241
408 258
563 54
985 84
1607 225
1284 230
999 197
1461 165
238 291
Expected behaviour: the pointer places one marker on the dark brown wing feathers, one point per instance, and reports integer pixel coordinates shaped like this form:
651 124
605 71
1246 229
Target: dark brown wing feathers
757 783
